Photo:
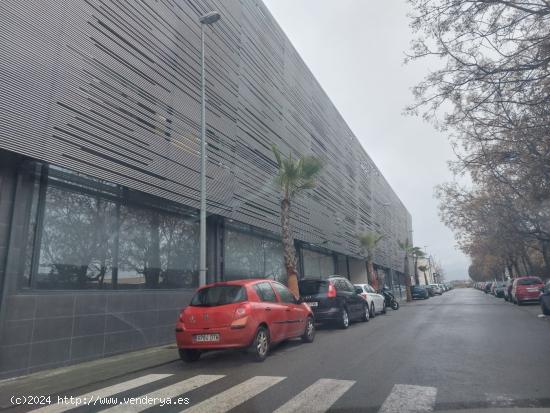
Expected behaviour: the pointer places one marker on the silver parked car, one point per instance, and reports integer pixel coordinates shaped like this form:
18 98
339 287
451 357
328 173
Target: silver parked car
437 289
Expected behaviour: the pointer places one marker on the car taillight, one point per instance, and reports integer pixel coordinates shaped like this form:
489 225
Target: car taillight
331 293
241 311
240 317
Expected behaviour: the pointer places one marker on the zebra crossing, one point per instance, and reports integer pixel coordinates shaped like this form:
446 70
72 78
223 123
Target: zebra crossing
318 397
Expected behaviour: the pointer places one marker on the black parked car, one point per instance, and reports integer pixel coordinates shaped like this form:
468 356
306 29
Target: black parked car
545 299
334 299
419 293
498 289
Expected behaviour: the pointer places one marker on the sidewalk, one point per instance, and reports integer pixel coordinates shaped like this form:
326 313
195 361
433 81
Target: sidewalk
66 378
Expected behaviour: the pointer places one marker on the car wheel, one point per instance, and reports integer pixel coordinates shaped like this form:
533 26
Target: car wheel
344 319
260 345
366 313
189 355
309 331
384 307
372 311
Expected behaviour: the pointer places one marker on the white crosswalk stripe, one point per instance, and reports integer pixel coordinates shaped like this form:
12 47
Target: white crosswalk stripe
409 399
160 396
318 397
235 395
102 393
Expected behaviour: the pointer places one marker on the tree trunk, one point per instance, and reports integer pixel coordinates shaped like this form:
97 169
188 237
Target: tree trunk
425 277
289 252
370 273
516 266
416 278
407 279
527 266
546 255
510 268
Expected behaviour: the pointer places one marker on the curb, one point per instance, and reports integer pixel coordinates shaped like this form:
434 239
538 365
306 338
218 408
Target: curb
84 374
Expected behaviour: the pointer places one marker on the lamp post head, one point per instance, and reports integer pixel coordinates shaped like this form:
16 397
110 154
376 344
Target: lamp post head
210 17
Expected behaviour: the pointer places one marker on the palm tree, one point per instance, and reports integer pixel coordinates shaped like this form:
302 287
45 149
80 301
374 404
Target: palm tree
417 253
408 249
424 268
293 177
368 242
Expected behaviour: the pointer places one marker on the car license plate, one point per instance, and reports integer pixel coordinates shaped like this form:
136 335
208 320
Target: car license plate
313 304
206 338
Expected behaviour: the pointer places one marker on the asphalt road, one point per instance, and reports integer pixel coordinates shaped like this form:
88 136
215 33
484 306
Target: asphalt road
462 350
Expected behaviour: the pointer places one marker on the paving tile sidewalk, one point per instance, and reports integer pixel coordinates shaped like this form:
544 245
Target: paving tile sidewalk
71 377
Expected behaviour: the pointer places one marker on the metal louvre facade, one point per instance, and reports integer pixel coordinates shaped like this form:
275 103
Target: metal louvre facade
111 89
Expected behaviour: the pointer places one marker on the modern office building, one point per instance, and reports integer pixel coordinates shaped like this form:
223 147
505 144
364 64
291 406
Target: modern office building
99 171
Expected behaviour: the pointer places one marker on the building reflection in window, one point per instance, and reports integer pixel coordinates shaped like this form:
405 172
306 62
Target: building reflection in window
251 255
93 235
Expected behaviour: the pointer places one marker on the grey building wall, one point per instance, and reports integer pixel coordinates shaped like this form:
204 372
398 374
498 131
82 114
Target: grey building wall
111 89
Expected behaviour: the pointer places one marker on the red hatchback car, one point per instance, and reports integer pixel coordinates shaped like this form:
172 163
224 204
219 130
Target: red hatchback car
250 314
526 289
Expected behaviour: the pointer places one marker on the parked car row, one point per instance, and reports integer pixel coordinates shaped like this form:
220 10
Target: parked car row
423 292
521 290
256 314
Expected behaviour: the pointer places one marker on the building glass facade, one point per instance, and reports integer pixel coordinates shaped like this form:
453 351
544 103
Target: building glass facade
90 234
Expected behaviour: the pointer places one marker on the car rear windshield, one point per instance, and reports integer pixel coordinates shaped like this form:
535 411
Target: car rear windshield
529 281
312 287
219 295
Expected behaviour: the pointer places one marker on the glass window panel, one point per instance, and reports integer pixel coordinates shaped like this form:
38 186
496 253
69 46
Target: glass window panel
316 264
243 256
137 235
157 249
284 293
76 249
265 292
96 235
274 266
248 255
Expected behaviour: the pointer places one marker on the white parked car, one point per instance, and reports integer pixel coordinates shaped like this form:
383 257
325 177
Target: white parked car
375 300
437 289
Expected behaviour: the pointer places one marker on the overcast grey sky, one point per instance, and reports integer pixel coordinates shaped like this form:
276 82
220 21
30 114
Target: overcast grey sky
355 49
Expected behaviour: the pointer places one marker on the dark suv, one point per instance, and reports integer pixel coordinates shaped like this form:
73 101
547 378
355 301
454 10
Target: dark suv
334 299
419 293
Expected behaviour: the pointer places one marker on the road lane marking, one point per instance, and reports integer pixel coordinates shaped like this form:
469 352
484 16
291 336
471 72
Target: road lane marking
318 397
88 398
406 398
235 396
168 392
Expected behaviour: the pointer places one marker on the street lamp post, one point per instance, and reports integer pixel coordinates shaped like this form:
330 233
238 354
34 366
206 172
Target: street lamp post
208 18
